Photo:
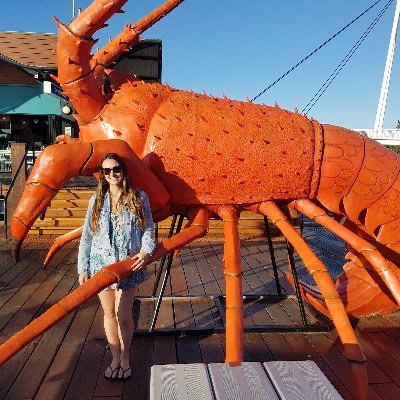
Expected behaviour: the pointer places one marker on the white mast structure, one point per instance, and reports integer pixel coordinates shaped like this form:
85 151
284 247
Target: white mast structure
380 112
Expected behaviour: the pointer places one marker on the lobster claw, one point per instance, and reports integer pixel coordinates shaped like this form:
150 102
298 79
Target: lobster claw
80 159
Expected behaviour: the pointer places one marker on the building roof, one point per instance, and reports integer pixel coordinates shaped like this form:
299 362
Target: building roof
29 49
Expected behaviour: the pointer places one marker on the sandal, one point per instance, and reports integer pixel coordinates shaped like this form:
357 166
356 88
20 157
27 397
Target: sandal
114 373
124 371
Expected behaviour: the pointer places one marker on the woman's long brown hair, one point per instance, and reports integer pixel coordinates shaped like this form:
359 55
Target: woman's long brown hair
129 195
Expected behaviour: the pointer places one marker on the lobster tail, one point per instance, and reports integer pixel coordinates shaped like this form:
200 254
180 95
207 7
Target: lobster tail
360 181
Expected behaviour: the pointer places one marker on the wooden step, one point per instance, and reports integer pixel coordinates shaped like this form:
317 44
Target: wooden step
68 209
75 222
70 222
49 230
77 212
59 230
68 194
69 203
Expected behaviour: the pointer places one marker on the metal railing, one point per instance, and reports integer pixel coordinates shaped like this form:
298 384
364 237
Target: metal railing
12 185
383 136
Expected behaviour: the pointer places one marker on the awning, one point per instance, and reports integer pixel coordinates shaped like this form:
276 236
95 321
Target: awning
27 99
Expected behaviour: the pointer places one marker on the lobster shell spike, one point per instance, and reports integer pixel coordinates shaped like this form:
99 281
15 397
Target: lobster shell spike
90 24
83 92
54 77
276 105
71 61
248 100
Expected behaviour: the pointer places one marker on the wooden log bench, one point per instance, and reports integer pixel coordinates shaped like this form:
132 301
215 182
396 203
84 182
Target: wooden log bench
275 380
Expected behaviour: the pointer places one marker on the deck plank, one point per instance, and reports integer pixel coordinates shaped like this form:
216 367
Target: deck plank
40 360
14 368
141 358
90 361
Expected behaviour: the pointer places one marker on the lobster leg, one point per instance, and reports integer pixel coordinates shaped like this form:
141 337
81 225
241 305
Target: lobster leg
81 159
352 349
359 244
60 242
108 275
233 282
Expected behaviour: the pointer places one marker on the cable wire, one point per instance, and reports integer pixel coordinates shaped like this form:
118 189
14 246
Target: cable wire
314 51
344 61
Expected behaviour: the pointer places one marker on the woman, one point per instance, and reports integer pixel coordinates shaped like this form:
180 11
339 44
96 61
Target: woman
118 225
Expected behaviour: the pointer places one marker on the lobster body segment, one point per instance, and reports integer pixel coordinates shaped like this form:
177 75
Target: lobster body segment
214 151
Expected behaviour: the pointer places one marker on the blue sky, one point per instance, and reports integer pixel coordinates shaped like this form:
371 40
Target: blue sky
238 48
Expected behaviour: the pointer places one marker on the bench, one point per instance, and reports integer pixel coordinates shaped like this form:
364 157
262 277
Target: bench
275 380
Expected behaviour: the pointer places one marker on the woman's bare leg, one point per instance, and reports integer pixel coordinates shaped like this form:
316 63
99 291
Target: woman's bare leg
108 303
123 305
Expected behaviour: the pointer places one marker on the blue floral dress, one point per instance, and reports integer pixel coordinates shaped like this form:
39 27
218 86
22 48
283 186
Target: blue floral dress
118 237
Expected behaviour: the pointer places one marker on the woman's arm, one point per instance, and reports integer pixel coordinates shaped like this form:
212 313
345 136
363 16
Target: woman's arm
85 244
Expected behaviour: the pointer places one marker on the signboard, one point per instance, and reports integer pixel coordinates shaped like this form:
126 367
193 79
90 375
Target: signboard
68 130
54 90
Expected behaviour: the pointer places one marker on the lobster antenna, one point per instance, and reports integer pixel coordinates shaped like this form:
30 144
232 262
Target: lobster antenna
130 34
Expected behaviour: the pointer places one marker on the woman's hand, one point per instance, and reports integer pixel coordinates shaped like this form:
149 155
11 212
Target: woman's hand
140 259
83 278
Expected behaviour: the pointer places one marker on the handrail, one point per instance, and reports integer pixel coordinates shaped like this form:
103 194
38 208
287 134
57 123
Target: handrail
10 188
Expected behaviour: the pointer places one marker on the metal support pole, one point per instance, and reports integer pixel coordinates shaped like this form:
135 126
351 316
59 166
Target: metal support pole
164 282
380 112
160 270
296 283
272 253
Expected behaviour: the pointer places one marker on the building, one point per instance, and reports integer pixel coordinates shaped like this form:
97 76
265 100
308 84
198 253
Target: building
33 109
31 105
27 113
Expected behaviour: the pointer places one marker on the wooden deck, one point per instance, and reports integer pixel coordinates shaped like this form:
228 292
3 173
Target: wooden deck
68 361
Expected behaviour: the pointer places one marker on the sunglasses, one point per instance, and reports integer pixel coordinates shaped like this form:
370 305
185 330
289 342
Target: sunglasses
107 171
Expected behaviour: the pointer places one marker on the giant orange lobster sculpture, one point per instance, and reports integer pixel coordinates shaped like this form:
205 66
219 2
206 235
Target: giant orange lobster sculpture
213 157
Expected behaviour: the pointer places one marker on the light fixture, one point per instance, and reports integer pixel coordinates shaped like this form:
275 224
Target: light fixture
35 121
67 110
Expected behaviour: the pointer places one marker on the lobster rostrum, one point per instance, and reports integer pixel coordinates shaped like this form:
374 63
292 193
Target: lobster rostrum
206 157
